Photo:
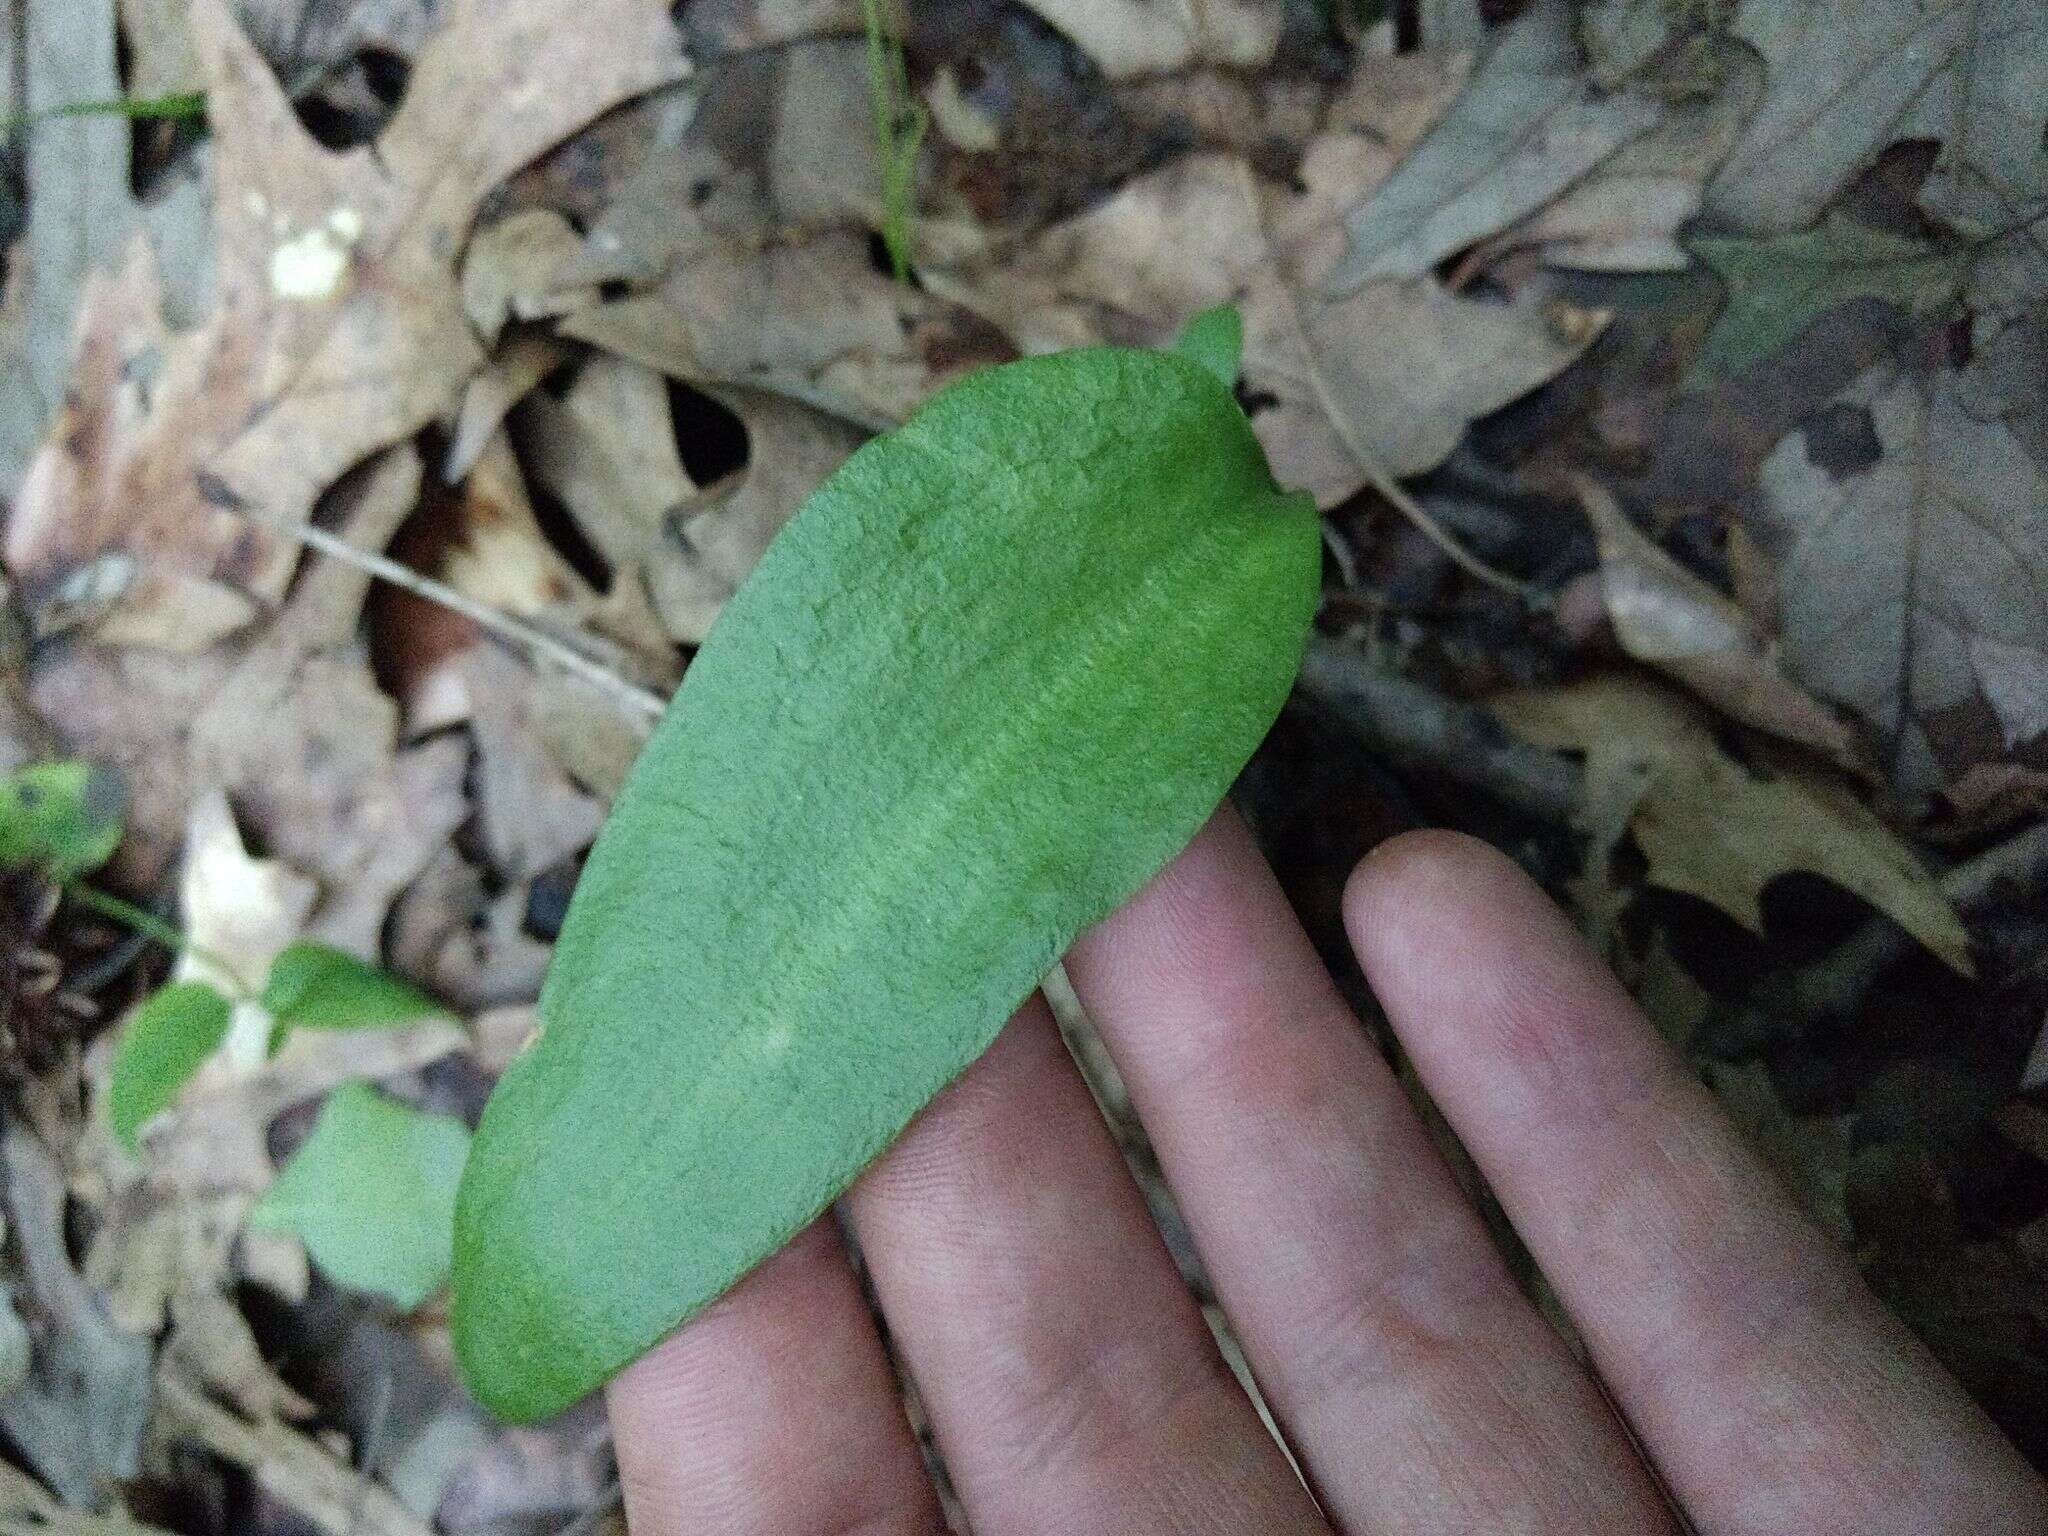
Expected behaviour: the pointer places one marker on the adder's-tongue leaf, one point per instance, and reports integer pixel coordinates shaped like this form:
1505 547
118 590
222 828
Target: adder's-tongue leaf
994 675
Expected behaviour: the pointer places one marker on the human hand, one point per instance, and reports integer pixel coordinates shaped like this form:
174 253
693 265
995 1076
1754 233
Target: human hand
1075 1388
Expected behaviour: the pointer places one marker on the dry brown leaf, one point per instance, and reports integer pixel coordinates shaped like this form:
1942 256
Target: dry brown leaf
1387 377
79 1418
607 450
740 26
1913 581
511 269
813 321
456 932
1155 37
496 551
323 1489
1669 619
1717 829
340 328
513 373
1529 126
1626 215
532 815
1810 1154
306 744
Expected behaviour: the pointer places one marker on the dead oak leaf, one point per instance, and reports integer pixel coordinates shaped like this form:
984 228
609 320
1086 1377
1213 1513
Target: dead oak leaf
340 328
1720 829
1670 619
1383 380
1913 583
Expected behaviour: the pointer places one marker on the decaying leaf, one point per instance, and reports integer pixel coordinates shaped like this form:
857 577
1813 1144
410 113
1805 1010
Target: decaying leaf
82 212
1913 580
1626 214
340 328
510 272
1779 285
79 1417
1809 1153
1847 77
1146 37
1669 619
1529 125
1723 830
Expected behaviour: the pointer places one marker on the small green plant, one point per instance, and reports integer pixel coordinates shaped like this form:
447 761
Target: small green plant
993 675
310 986
65 819
901 122
371 1193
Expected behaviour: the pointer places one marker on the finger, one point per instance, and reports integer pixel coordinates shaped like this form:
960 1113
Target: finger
773 1411
1772 1389
1416 1384
1068 1373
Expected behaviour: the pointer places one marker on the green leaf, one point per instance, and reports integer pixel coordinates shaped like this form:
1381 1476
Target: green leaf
1214 339
1778 286
316 986
161 1047
63 818
183 106
993 675
372 1194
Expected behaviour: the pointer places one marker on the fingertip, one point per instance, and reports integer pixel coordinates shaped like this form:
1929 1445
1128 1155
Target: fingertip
1415 889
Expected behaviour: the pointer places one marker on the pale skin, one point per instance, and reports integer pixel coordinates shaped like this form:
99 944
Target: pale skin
1074 1387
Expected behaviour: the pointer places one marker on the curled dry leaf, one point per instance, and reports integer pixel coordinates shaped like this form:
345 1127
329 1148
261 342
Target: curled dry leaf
340 328
1843 83
1669 619
1720 829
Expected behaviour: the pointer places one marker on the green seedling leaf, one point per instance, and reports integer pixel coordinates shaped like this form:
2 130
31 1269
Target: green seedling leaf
1214 339
316 986
993 675
372 1194
1779 286
62 818
174 1031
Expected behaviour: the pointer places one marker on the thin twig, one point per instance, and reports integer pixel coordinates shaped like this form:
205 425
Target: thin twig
1415 726
629 695
150 926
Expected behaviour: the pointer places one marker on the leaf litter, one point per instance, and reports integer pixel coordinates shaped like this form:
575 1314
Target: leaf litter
1668 376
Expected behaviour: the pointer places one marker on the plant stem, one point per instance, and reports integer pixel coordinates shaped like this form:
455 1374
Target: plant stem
183 106
900 124
148 924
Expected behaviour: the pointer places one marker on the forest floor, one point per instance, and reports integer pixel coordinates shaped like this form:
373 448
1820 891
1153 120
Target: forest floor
393 391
